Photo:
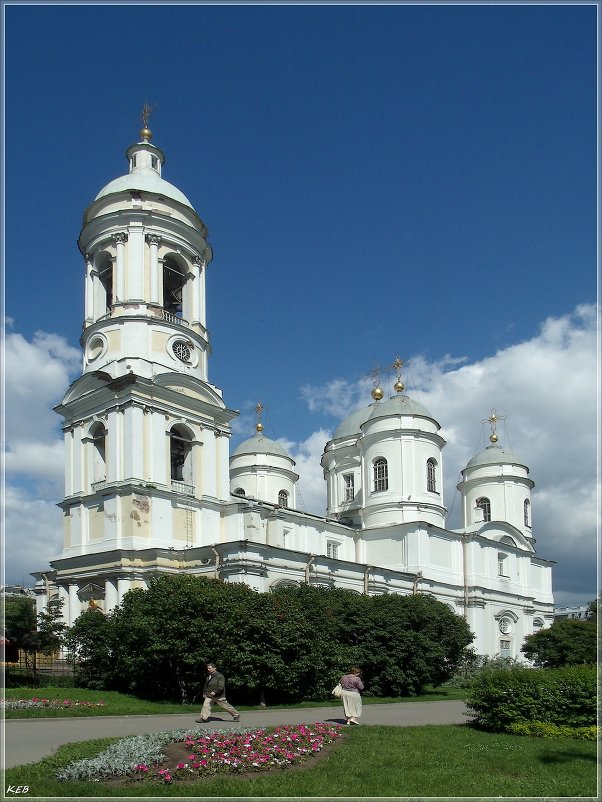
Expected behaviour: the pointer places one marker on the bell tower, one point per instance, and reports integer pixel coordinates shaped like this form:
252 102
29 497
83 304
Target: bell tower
146 253
146 434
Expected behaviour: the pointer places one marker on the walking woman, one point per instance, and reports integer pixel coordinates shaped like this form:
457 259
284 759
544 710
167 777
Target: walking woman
352 686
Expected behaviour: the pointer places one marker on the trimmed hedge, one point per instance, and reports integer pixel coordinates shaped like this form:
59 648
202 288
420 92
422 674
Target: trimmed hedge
502 697
538 729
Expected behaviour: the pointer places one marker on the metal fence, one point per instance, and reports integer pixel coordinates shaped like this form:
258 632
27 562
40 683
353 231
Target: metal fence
38 668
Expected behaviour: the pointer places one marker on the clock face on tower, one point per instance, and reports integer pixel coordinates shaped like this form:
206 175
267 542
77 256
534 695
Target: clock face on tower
183 350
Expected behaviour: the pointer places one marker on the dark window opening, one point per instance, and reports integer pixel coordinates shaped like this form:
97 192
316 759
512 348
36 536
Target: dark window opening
485 505
173 282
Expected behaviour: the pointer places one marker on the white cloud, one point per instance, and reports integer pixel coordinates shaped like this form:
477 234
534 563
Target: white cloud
37 373
34 534
311 487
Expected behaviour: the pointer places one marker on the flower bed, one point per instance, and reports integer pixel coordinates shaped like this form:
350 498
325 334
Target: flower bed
194 755
36 703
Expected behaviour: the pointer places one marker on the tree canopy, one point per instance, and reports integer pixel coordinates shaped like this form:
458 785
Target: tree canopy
30 632
287 645
567 642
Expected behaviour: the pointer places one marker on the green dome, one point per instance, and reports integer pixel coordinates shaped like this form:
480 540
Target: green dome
494 455
398 405
258 444
146 180
351 424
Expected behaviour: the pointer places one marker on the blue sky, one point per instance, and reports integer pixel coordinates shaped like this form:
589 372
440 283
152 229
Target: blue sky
412 180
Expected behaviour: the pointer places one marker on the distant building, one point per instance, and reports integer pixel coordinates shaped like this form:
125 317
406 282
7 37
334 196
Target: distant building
151 486
578 611
16 590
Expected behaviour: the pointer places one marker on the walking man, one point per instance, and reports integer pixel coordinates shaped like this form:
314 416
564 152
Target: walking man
214 692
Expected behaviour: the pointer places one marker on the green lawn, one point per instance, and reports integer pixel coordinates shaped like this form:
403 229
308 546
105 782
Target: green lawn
119 704
434 761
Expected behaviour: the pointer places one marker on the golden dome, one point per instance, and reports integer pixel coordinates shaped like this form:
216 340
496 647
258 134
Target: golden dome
259 426
493 437
377 394
146 134
399 386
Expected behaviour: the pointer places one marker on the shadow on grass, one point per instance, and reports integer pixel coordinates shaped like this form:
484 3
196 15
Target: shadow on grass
566 756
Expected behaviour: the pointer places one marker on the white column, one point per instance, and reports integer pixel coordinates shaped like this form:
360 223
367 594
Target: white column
123 585
157 455
63 595
200 293
223 465
197 466
133 434
196 291
77 460
74 604
113 445
154 242
89 292
111 595
134 269
99 296
68 461
119 290
209 463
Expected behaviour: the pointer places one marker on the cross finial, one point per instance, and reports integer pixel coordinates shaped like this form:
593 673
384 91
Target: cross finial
258 411
493 420
146 133
147 110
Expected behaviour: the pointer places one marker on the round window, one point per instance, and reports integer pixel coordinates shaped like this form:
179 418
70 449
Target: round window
182 350
95 348
504 626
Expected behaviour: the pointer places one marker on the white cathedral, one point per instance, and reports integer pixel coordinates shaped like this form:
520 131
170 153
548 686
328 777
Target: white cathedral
151 487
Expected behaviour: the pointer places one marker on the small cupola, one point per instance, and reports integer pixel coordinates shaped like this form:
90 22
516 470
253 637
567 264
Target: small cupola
495 485
144 156
260 468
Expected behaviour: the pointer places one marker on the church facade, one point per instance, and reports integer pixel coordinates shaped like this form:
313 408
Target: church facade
151 486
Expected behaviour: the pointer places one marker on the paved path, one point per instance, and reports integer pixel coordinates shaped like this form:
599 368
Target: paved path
29 740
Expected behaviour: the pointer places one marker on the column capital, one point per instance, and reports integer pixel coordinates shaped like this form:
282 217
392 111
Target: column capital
153 239
120 237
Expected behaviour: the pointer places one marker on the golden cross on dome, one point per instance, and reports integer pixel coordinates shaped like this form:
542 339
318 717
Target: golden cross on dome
258 411
378 371
147 110
493 420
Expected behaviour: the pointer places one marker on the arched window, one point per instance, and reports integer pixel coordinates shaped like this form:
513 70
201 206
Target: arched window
180 455
104 267
381 474
349 487
526 511
502 564
173 283
239 491
282 498
98 433
485 505
431 477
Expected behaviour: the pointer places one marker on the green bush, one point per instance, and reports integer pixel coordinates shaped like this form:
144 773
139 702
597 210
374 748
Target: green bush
562 696
471 665
539 729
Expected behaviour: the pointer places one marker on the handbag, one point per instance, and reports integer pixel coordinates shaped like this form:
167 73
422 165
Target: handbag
337 690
